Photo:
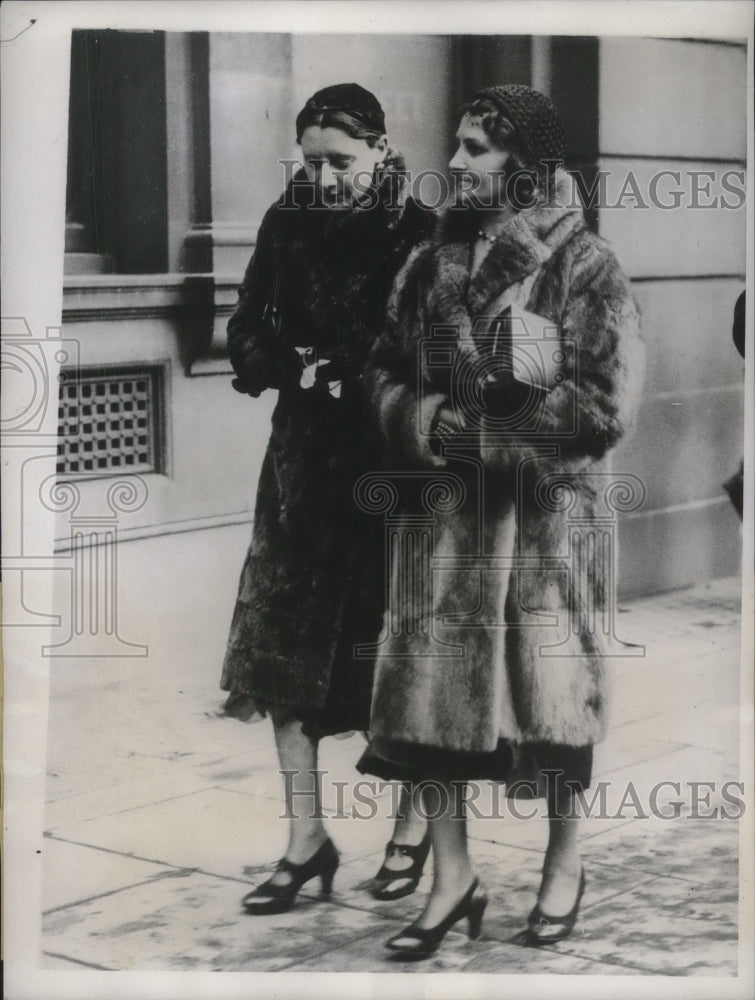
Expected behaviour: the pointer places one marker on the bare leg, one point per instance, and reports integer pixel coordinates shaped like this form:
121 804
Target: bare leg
409 828
452 871
563 864
298 753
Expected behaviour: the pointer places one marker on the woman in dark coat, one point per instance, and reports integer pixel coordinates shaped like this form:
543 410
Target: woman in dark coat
498 669
312 587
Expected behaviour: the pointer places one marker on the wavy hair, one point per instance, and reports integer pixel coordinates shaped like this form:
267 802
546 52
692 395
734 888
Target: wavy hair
535 182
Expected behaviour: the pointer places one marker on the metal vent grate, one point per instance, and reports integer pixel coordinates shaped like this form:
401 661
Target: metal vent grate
109 422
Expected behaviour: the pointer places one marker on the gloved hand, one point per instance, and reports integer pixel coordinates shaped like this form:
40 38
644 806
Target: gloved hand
256 364
336 370
506 397
261 377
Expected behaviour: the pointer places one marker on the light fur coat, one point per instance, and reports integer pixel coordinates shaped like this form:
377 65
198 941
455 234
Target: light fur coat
506 634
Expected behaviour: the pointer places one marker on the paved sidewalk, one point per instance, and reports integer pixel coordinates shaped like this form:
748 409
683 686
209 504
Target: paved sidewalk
161 815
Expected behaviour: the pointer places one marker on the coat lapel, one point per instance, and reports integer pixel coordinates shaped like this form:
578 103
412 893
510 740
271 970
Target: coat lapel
526 242
530 238
448 289
517 253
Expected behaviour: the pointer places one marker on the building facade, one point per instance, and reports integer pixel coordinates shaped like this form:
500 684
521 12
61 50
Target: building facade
175 148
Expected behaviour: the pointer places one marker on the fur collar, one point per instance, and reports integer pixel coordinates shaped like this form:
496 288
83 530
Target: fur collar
525 243
352 242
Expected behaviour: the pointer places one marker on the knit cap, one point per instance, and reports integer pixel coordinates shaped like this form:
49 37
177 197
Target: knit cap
533 116
349 98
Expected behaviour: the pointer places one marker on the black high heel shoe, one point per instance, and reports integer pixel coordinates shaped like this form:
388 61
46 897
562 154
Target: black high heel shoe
271 898
544 929
381 884
422 942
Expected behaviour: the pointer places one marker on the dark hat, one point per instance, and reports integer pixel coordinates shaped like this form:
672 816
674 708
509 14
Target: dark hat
533 116
348 98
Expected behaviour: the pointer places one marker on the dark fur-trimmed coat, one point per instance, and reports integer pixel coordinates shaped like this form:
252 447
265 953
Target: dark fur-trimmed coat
510 633
311 586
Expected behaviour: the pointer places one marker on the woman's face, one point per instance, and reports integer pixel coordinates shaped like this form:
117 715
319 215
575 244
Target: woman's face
339 165
477 165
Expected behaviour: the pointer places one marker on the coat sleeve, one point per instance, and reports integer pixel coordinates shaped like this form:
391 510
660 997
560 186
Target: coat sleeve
252 346
591 410
403 419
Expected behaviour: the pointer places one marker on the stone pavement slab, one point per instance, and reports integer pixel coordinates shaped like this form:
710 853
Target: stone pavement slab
458 954
213 830
162 813
196 921
657 927
75 872
138 787
702 851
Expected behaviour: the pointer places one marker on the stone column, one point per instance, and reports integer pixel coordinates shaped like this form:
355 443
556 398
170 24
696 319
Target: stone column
242 125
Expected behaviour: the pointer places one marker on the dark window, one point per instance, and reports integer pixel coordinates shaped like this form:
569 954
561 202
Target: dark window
116 198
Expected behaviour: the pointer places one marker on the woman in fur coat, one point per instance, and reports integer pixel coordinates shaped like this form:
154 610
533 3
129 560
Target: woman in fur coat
509 367
311 304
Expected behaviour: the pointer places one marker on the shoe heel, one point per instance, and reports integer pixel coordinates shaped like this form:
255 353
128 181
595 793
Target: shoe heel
474 917
326 881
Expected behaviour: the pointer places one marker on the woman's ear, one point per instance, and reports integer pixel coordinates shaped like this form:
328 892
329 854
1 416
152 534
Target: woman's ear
382 144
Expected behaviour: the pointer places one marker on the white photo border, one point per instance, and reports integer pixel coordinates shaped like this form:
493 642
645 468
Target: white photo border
35 68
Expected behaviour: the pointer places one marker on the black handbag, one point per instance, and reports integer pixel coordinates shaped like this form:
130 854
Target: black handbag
271 325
